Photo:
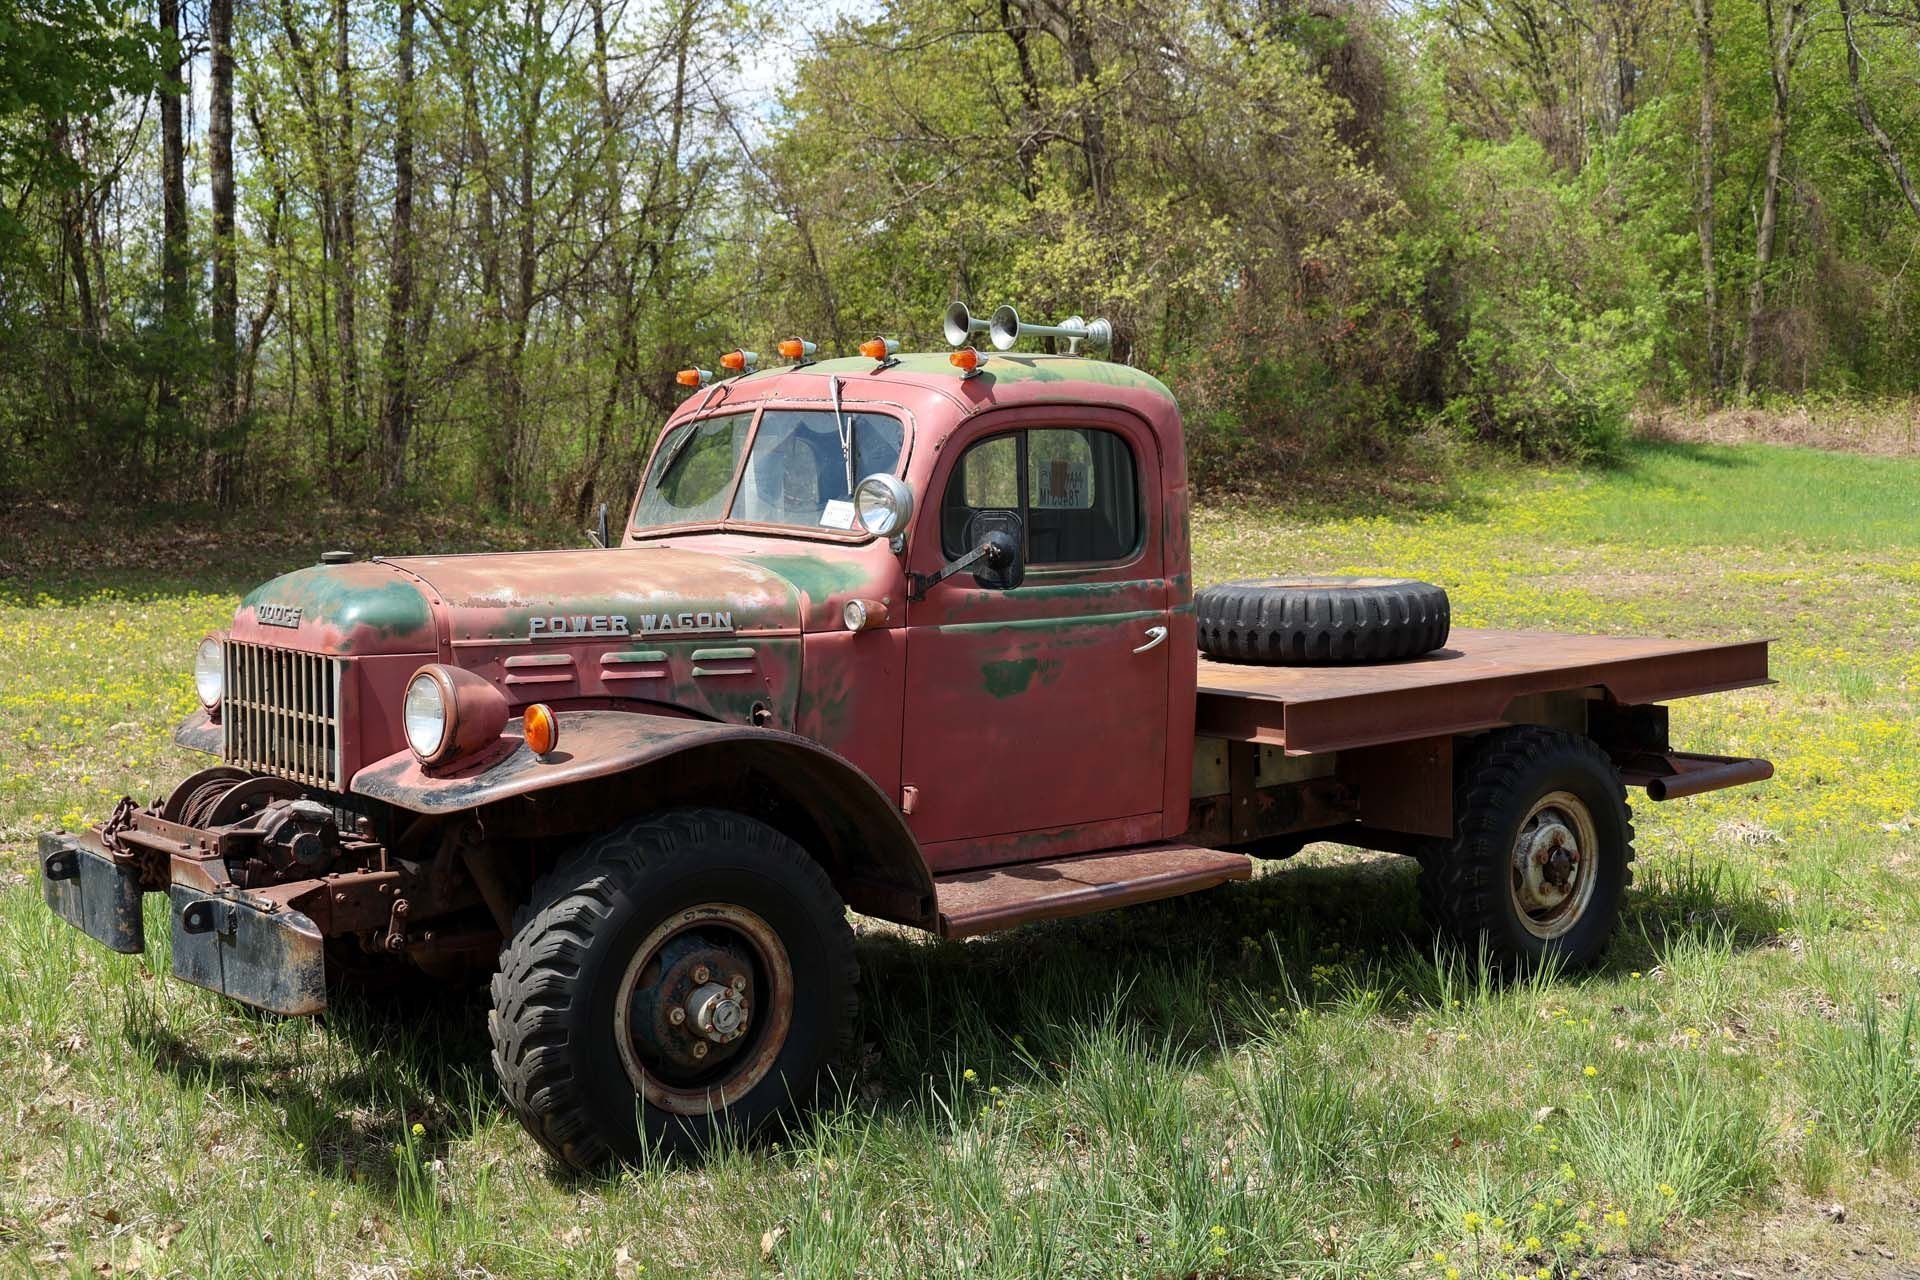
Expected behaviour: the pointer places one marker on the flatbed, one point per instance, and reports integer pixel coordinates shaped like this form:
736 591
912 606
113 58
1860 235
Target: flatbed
1468 686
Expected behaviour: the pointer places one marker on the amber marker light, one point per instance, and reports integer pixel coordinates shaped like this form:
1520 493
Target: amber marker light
541 727
881 349
798 349
967 360
739 360
693 377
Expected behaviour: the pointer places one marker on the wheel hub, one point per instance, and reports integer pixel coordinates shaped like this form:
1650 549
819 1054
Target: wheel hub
1551 860
1552 882
693 1006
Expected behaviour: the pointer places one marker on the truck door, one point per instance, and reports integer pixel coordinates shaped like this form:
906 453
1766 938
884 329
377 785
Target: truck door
1036 717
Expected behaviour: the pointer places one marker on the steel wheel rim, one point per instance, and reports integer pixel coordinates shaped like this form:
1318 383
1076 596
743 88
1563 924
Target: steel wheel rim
1551 871
662 1077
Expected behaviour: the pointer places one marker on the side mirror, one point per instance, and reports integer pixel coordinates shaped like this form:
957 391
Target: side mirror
1002 535
998 559
598 534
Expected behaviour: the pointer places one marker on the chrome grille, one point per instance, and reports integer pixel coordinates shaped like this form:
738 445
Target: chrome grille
280 713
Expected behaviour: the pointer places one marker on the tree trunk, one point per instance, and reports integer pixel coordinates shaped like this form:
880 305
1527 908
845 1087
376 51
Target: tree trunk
226 287
1703 212
173 205
1784 32
511 454
73 237
1863 110
1027 149
347 172
396 414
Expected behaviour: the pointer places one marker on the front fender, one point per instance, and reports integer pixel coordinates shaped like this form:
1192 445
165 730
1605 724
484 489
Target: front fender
200 732
593 744
874 859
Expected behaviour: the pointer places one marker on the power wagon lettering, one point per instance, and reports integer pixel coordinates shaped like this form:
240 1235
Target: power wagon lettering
618 624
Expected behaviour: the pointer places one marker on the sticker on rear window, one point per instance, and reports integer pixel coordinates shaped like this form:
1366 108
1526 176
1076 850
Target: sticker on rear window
1061 484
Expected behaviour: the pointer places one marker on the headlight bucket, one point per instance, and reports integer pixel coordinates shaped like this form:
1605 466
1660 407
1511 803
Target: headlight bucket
469 713
209 672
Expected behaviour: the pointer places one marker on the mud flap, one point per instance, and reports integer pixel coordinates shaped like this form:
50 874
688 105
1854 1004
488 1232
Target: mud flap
272 960
92 892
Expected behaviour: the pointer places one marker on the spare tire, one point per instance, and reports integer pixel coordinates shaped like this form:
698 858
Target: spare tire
1306 621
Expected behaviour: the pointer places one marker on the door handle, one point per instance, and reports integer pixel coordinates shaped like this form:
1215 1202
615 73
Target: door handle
1156 636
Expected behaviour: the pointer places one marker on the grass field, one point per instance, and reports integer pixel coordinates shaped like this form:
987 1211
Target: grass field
1280 1078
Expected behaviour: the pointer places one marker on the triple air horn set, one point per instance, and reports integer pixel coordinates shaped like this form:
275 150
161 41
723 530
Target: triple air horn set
1004 329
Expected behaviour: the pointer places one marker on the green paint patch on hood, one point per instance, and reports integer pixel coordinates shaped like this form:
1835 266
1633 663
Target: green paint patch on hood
818 576
349 608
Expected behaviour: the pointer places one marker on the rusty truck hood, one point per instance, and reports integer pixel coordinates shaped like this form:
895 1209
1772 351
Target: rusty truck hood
414 604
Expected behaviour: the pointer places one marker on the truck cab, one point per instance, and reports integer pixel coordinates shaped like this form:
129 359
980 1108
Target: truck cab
911 634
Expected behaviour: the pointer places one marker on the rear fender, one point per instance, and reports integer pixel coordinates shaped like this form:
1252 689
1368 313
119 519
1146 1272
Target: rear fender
613 764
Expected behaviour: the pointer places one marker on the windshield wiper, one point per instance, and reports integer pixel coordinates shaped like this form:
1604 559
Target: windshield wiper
845 429
674 451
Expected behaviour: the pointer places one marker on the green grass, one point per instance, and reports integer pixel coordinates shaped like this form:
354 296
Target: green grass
1282 1078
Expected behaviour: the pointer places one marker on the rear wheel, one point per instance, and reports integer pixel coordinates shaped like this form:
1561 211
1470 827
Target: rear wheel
1540 858
679 976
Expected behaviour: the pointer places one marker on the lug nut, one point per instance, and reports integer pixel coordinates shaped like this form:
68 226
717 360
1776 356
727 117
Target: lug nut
700 973
740 982
700 1048
676 1016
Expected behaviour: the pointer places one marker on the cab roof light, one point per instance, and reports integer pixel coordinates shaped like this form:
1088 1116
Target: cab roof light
798 350
693 377
882 349
969 361
740 360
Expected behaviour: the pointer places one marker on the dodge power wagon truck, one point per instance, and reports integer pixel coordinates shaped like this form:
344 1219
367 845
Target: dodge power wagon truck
909 634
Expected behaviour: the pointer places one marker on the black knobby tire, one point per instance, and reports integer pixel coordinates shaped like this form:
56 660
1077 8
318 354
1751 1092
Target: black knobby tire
1468 885
1309 621
553 1022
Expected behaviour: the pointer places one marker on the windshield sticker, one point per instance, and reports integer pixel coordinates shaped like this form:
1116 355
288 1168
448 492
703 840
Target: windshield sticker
558 626
838 514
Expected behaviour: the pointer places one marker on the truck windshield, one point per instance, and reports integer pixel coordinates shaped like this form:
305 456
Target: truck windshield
795 474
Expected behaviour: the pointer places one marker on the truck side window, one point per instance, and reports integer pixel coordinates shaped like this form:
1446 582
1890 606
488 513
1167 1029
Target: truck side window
987 478
1076 488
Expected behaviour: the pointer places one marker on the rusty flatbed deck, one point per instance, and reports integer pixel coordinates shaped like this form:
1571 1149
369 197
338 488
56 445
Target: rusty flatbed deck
1464 687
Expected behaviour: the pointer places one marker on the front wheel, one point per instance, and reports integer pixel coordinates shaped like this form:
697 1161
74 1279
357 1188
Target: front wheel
1539 862
680 975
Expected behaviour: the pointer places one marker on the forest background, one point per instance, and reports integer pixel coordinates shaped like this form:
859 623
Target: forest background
452 252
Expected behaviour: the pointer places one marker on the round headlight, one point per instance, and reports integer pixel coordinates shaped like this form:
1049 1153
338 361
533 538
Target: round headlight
424 714
882 504
209 674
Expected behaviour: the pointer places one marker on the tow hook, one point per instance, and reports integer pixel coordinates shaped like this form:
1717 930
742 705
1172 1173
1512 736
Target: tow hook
210 915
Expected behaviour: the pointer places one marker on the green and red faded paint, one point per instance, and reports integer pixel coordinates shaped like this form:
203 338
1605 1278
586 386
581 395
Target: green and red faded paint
742 624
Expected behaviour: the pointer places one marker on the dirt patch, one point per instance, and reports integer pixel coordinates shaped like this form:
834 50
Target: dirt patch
1888 429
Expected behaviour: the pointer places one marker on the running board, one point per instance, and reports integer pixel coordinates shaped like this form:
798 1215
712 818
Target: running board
1000 897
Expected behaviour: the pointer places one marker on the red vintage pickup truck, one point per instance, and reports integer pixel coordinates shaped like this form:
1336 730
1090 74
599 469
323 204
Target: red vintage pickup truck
914 635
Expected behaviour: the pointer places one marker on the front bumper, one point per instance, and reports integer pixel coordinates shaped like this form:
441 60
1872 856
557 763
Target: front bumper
257 951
